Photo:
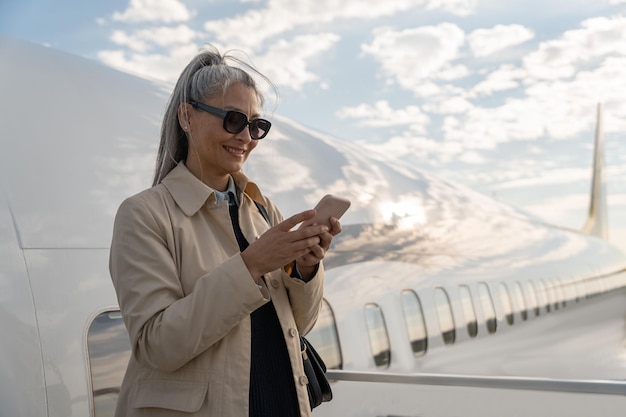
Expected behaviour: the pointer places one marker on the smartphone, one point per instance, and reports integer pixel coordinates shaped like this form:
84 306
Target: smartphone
329 206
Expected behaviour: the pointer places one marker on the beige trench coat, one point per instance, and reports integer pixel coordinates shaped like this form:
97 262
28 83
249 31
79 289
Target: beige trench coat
186 298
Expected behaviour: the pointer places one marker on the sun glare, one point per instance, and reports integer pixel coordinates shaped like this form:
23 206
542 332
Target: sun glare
405 213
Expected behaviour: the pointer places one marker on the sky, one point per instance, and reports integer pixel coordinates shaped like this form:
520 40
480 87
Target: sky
499 95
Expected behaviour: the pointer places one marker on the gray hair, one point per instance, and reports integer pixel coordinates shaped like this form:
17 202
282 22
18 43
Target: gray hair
206 76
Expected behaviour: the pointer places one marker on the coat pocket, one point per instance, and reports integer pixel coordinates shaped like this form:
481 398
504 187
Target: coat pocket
185 396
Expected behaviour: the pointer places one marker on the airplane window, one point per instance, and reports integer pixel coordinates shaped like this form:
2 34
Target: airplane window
532 297
488 308
560 290
507 306
576 288
415 324
551 293
520 300
543 296
109 350
325 339
582 289
444 312
468 310
379 339
591 288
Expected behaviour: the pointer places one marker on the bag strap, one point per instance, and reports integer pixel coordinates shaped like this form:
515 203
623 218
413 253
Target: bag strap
263 213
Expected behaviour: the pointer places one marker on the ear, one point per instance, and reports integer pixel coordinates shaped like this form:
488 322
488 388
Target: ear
184 112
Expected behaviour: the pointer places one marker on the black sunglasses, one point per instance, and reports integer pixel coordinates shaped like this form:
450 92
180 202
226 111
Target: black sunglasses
236 121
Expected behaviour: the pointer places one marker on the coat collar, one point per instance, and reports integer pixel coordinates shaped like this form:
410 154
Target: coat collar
191 194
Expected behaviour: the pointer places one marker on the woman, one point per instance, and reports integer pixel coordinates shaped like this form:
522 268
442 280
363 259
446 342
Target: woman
214 323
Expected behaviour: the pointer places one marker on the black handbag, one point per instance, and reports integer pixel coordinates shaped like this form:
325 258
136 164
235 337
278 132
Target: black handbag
315 371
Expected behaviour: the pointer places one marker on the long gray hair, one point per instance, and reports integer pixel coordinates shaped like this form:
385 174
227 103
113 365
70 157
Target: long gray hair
206 76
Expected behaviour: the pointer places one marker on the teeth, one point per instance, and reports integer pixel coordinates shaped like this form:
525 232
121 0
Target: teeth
234 150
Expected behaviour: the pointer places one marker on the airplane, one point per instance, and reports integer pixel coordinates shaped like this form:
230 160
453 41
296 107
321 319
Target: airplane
439 301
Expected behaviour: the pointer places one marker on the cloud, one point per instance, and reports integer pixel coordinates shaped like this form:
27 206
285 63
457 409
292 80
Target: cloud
414 57
552 177
506 77
163 36
295 57
560 58
163 67
572 69
166 11
483 42
457 7
453 104
253 28
555 210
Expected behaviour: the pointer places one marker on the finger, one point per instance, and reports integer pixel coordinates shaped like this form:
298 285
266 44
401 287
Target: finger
335 226
317 252
292 221
307 260
300 246
325 240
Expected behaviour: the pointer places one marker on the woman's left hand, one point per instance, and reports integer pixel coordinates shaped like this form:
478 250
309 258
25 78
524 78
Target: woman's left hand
307 263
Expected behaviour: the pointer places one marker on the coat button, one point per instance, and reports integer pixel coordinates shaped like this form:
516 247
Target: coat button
304 380
275 283
293 332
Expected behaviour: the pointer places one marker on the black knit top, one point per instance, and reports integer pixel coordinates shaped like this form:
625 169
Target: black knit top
272 387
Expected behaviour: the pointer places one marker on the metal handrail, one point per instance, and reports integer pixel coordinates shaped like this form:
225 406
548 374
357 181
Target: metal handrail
607 387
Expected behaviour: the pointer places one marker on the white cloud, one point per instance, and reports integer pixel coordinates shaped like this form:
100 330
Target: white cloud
458 7
294 58
472 157
506 77
556 210
166 11
552 177
449 105
484 128
162 67
559 58
606 84
122 38
145 39
483 42
413 57
548 105
254 27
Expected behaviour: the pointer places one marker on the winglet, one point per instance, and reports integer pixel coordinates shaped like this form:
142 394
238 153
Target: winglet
597 221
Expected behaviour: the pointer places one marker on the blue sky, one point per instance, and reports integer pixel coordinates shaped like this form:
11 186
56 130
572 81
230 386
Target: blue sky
498 95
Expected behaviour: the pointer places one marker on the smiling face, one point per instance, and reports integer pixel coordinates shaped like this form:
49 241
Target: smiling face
213 152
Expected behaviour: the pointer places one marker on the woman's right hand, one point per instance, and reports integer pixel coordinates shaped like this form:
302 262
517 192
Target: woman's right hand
280 245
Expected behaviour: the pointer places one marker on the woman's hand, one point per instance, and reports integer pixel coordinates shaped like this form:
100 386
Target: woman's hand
280 245
307 262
